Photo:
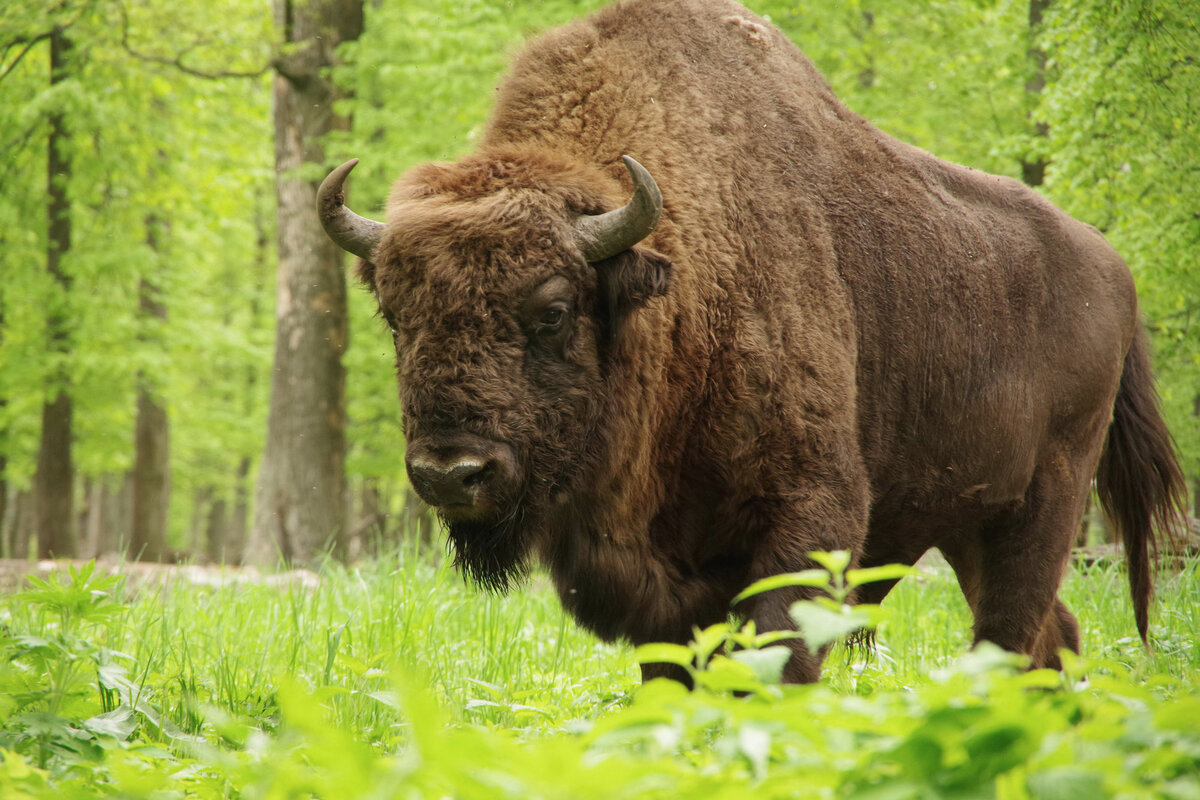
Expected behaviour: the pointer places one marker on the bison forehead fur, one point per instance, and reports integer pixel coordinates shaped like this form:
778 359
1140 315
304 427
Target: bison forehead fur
831 340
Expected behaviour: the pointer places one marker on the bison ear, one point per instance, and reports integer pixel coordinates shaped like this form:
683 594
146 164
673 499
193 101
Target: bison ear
627 280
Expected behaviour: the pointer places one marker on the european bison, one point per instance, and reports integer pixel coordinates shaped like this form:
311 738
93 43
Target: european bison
830 339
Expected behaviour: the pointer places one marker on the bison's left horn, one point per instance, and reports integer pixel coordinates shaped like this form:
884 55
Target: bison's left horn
602 236
355 234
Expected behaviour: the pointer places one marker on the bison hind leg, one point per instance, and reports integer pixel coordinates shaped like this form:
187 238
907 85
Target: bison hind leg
1059 630
1010 569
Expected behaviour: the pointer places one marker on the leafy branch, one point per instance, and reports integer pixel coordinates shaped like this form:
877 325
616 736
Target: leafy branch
177 61
29 45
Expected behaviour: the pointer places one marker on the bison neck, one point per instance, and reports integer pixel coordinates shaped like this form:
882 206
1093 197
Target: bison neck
642 580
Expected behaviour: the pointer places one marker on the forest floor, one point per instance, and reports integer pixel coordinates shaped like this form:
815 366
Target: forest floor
14 571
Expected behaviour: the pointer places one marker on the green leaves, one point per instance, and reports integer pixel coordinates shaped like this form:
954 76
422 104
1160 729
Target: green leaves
664 653
723 658
231 691
824 623
817 578
80 596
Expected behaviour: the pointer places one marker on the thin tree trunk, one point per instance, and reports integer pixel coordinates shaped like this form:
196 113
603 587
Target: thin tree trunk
117 523
240 534
5 550
236 546
216 533
370 529
3 451
151 479
1033 166
8 525
866 75
416 522
151 470
24 523
90 517
300 496
54 480
201 500
1196 480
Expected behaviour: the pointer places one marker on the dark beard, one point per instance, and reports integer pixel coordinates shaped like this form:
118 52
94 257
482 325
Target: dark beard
493 555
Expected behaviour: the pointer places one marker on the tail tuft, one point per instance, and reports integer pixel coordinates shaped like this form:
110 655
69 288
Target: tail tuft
1140 484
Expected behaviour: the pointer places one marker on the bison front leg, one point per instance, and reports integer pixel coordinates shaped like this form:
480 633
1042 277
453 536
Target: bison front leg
824 520
770 613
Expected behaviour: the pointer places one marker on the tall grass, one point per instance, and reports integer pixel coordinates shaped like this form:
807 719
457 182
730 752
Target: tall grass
222 676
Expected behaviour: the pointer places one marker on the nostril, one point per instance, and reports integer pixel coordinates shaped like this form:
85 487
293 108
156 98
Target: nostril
466 473
478 476
462 475
448 484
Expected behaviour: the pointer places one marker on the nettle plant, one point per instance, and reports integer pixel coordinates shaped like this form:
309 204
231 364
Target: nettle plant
63 695
734 656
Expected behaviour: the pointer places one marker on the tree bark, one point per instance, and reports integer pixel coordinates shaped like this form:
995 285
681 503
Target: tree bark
151 465
235 548
416 520
90 517
216 533
54 479
3 449
1196 479
8 525
4 542
118 516
201 500
300 497
369 530
1033 167
24 523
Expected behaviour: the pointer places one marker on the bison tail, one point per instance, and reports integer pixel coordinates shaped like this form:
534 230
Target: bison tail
1139 481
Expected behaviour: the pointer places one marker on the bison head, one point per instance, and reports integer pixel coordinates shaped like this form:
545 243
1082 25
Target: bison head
506 285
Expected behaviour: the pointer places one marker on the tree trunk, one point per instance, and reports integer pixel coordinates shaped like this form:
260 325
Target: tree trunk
300 496
201 500
5 552
216 533
1196 480
416 521
90 517
3 451
54 479
24 523
1033 166
151 466
8 525
151 480
370 528
235 548
115 531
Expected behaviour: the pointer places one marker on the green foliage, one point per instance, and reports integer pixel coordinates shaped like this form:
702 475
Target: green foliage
370 684
154 144
1121 106
150 148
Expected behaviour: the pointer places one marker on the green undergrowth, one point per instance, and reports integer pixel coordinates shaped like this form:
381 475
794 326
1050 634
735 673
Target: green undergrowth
394 680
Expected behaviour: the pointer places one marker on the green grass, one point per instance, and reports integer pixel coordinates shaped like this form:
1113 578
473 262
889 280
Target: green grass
397 678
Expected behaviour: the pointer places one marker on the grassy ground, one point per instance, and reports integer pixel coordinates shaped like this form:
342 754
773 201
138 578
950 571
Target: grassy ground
396 678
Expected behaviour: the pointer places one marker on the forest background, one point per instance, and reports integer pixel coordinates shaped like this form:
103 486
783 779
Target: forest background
156 229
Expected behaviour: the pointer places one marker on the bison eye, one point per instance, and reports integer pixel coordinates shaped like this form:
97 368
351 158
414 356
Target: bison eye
545 315
551 319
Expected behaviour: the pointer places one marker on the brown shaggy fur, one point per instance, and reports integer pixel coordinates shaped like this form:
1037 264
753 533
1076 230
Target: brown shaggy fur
832 340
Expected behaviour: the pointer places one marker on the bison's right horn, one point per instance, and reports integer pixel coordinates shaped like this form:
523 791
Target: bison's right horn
355 234
602 236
